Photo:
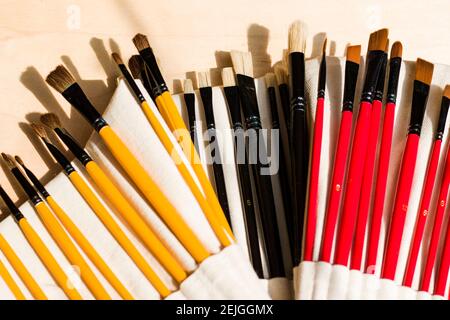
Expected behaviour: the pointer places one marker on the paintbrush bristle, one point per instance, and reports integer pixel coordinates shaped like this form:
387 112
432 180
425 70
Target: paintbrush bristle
378 39
424 71
51 120
135 65
354 54
242 63
285 61
19 161
60 79
8 160
204 80
228 77
40 130
117 58
270 80
280 74
324 47
141 42
386 49
297 37
188 86
447 91
396 50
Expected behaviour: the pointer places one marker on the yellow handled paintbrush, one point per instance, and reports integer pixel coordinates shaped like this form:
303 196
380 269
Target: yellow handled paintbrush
111 225
77 235
41 250
63 82
11 283
21 270
170 148
172 117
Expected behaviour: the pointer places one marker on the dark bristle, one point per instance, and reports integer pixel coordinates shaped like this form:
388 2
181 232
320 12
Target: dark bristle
117 58
60 79
354 54
424 71
396 50
447 91
378 39
19 161
50 120
141 42
8 160
40 130
135 65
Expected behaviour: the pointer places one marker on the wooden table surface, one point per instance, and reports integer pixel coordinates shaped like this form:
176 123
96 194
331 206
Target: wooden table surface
37 35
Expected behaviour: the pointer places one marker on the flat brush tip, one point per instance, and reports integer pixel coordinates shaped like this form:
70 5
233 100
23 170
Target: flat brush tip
188 86
117 58
242 62
424 71
378 40
60 79
297 37
270 80
50 120
39 130
396 50
354 54
447 91
204 79
141 42
135 65
228 77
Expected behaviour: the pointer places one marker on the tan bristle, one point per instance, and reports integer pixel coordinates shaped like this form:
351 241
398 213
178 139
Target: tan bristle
386 49
228 77
285 60
354 54
135 65
204 80
8 160
424 71
19 161
270 80
280 74
141 42
447 91
50 120
188 87
40 130
60 79
117 58
242 63
378 40
297 37
396 50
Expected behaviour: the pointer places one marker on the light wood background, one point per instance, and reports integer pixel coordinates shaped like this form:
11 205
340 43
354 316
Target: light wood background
37 35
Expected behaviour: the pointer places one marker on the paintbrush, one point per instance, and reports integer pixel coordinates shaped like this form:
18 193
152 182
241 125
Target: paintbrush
257 155
433 245
424 74
206 96
177 159
140 71
299 137
102 213
11 283
374 63
384 158
21 270
369 166
58 233
172 117
62 81
189 101
231 91
313 193
46 257
341 153
76 234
